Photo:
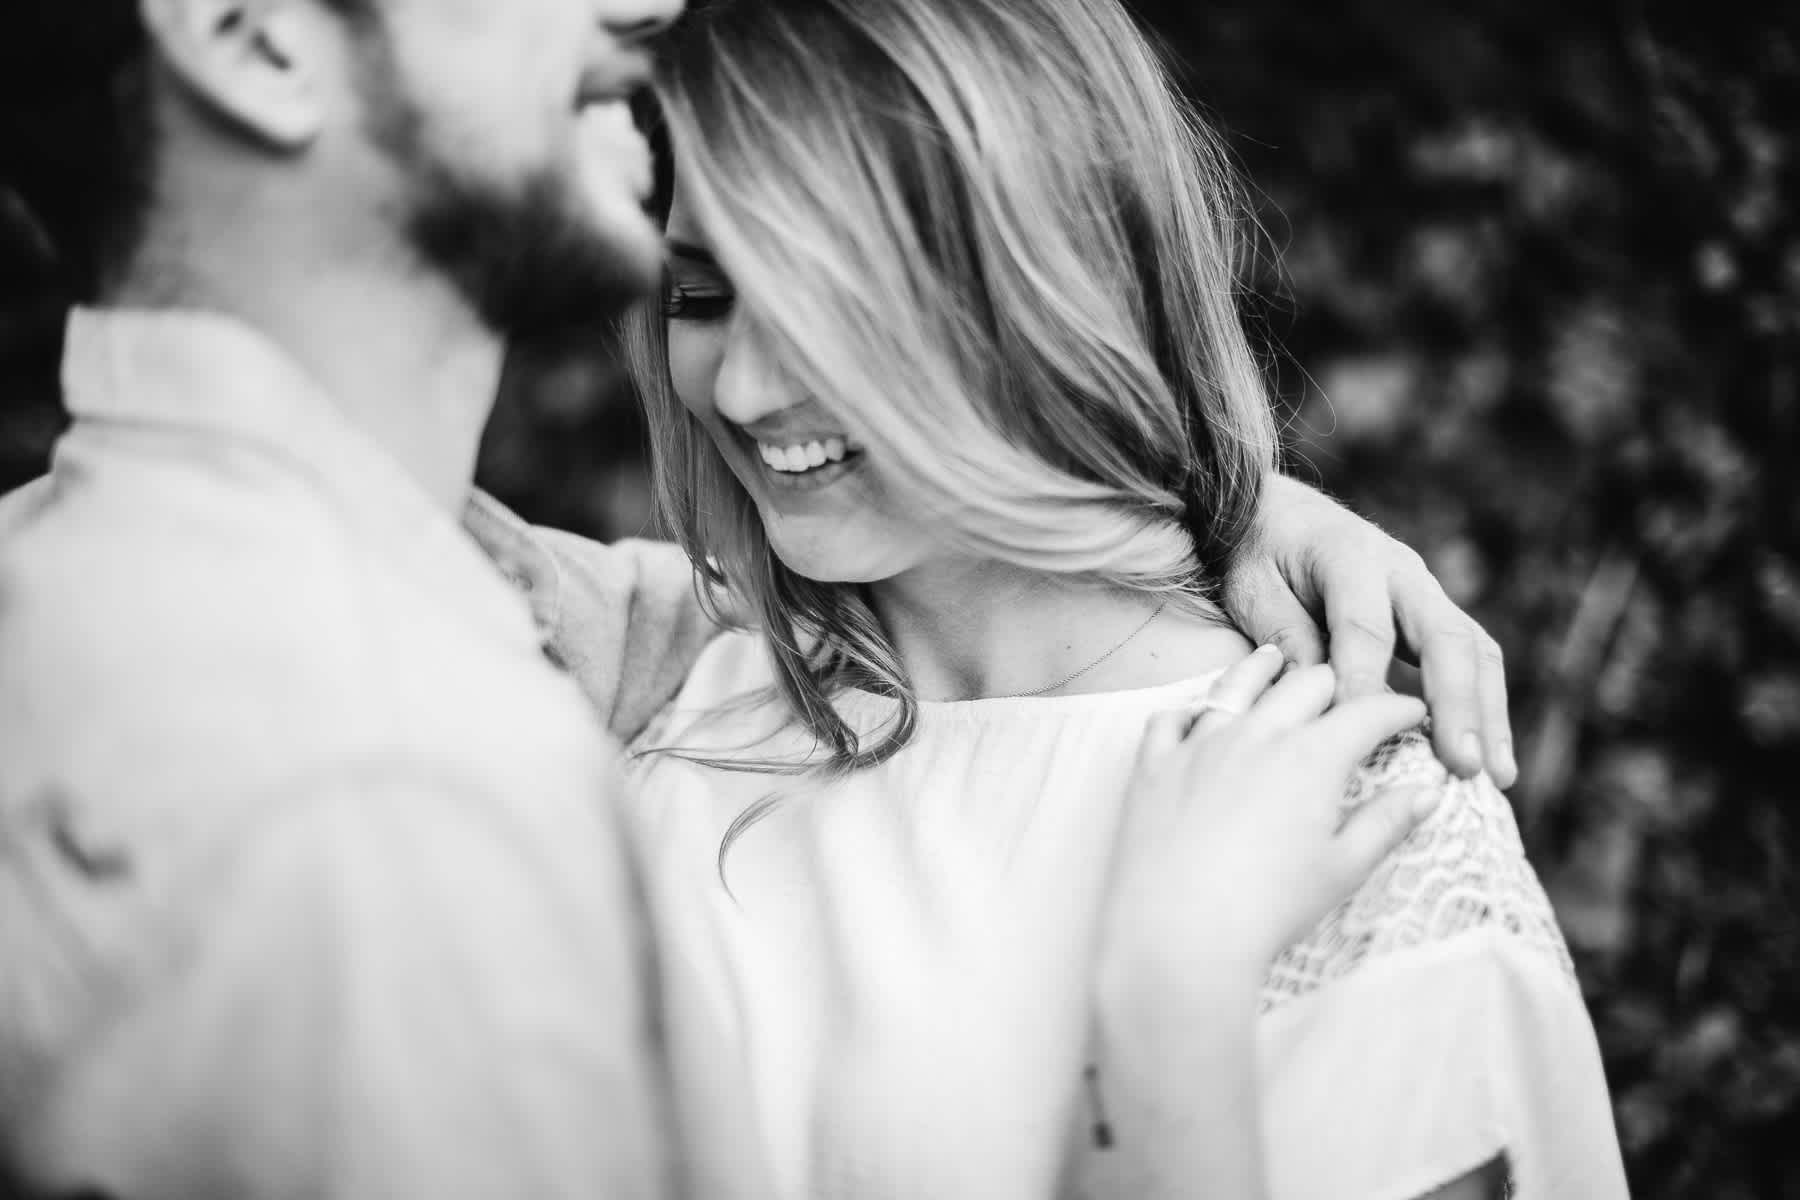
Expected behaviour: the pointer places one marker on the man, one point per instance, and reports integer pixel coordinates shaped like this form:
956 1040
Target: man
307 885
304 885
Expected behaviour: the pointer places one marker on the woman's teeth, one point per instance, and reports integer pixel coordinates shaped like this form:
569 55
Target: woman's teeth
803 456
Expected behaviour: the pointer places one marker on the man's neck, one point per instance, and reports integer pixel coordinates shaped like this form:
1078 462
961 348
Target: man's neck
398 350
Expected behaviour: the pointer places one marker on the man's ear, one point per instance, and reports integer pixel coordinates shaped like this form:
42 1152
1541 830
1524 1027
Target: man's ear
254 62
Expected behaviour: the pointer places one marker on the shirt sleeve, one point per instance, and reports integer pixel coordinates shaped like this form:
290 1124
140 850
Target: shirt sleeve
1435 1062
630 626
1434 1022
1430 1026
398 987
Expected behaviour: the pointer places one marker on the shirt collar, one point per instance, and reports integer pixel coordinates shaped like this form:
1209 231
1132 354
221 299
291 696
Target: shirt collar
193 370
216 377
509 541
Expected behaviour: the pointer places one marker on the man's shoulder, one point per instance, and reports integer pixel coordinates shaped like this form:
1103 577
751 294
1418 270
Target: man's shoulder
626 619
75 541
106 591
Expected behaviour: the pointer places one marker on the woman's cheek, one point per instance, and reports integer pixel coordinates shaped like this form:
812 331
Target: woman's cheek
695 352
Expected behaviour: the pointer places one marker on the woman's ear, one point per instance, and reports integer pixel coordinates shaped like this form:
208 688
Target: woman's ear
254 62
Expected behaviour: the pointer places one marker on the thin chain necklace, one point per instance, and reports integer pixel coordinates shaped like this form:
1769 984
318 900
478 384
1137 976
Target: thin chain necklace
1066 680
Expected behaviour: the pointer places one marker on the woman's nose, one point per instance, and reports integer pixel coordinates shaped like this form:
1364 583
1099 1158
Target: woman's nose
750 385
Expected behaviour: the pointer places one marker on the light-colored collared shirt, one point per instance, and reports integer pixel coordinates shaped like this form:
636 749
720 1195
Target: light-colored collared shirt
624 619
308 879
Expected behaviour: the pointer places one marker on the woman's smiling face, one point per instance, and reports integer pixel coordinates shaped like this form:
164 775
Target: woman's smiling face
820 497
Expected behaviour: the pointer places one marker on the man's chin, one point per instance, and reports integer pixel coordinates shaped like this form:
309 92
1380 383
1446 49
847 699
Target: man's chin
576 286
530 265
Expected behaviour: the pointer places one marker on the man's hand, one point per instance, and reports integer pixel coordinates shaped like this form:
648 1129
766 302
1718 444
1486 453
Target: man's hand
1315 559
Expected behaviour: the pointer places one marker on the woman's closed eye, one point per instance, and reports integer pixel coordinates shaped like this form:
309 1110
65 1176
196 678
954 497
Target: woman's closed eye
691 301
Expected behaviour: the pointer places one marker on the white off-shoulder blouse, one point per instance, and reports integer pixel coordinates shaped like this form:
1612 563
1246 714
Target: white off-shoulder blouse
882 988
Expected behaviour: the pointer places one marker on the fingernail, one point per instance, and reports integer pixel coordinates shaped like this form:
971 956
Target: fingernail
1507 764
1270 648
1471 747
1425 802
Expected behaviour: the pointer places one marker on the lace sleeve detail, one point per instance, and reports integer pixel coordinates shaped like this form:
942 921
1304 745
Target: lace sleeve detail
1463 869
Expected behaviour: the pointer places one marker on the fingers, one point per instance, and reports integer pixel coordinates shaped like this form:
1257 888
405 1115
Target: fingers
1301 695
1464 677
1163 734
1240 687
1359 612
1266 608
1147 797
1451 673
1350 732
1374 830
1496 724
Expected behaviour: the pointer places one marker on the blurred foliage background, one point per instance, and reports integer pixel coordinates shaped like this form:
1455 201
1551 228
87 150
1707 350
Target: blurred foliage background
1531 299
1540 317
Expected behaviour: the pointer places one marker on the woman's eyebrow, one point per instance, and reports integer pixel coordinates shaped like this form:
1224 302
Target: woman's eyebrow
700 254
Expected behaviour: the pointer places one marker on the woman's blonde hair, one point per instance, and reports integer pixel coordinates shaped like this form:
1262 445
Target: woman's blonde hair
991 238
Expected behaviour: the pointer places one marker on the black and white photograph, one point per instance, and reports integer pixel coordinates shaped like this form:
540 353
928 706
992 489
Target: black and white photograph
899 600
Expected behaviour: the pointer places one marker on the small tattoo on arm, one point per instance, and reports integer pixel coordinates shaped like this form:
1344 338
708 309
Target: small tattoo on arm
1102 1128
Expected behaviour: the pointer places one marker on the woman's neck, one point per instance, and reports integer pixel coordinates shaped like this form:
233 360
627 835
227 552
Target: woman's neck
967 630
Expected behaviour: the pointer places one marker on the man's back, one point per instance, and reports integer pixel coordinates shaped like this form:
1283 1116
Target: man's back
303 855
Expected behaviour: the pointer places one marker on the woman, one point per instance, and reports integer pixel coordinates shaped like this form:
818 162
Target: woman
953 393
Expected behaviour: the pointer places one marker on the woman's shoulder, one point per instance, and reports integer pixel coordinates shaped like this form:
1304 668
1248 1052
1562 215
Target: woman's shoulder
1462 873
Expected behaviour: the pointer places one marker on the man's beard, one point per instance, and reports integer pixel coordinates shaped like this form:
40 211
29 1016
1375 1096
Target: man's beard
522 252
524 258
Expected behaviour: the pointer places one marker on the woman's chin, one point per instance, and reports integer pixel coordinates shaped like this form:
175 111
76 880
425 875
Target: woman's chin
827 550
831 568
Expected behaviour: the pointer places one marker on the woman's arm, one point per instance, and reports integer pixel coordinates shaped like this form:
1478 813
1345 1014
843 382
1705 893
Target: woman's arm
1185 1085
1233 813
1181 1080
1442 1024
